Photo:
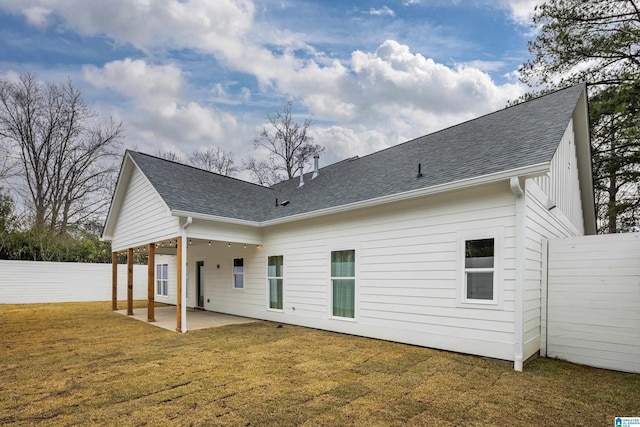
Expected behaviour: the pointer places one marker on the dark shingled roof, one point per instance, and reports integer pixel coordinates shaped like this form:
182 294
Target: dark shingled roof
189 189
516 137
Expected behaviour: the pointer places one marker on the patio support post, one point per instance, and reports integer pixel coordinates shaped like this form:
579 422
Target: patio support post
114 281
130 282
151 267
179 285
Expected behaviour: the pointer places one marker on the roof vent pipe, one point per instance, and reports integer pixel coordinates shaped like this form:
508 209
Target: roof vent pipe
316 159
301 174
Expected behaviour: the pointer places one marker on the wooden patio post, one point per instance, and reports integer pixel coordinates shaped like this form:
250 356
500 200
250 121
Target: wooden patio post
179 285
130 281
151 268
114 281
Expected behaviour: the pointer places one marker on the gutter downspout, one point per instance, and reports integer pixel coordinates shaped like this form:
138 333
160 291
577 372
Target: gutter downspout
183 279
518 347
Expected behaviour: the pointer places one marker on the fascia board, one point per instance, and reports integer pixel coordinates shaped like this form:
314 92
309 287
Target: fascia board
226 220
116 199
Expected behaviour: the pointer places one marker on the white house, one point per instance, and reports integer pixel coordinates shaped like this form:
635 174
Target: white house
435 242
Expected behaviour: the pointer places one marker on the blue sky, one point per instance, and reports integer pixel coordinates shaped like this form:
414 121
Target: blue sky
187 75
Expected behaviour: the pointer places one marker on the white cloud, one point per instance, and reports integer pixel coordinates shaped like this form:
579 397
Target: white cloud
163 114
521 10
393 85
37 16
343 143
375 99
383 11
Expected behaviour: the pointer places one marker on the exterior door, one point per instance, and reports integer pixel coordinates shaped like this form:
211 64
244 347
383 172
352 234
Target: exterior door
200 283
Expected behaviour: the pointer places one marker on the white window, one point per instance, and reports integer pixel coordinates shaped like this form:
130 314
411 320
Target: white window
275 275
162 280
343 283
479 270
238 273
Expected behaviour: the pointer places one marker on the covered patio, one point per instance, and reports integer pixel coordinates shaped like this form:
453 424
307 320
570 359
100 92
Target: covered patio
165 317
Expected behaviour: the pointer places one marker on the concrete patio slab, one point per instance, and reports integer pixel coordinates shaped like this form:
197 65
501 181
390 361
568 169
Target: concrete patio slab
196 319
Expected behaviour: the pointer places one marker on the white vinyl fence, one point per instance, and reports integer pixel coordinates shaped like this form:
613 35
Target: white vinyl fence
34 282
593 301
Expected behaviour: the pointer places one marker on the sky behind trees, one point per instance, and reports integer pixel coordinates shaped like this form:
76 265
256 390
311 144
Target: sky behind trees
190 75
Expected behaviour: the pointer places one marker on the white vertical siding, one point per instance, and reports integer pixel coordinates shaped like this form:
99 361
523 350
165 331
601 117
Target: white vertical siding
144 217
24 282
594 300
562 186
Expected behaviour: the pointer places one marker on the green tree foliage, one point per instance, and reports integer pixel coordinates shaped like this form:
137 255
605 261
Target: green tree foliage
615 117
597 42
8 221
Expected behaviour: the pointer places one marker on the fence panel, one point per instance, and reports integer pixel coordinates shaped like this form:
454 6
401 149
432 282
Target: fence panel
593 301
35 282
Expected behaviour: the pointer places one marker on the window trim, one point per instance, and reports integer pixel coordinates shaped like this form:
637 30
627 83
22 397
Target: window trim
356 252
498 244
269 308
162 282
234 274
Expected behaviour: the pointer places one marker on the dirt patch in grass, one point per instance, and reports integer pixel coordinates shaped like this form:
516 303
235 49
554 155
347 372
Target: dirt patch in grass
63 364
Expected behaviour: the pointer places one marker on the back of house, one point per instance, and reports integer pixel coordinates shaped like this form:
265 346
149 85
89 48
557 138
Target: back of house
435 242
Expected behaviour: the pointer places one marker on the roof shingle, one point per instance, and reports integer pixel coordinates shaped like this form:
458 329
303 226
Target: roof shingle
516 137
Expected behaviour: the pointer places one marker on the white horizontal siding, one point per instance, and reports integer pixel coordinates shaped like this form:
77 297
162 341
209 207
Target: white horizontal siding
223 232
24 282
407 271
219 294
593 300
172 276
143 218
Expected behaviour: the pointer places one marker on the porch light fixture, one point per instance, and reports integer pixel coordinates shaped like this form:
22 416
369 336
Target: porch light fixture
209 242
228 245
190 241
245 246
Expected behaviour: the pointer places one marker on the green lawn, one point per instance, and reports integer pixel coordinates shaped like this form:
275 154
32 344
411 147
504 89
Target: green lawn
79 363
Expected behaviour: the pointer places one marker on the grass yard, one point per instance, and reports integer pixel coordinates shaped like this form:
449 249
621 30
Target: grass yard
79 363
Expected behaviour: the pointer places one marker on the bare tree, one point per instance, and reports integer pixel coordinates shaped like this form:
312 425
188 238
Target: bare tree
171 156
66 160
214 160
263 172
287 142
7 163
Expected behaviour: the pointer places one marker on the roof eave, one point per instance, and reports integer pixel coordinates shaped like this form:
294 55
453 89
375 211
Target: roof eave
206 217
525 172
